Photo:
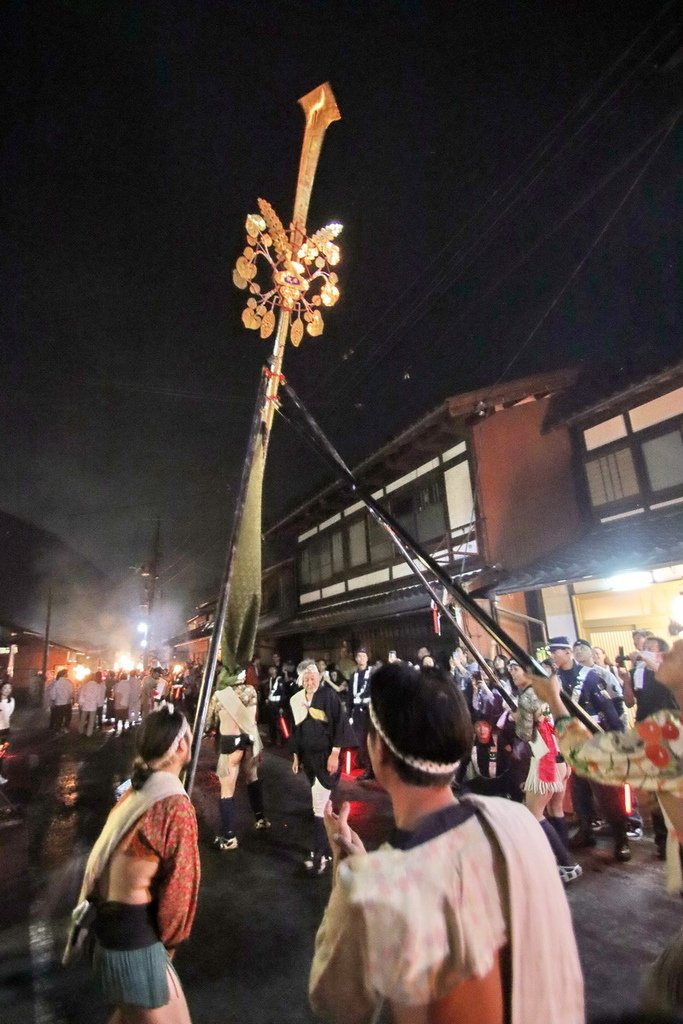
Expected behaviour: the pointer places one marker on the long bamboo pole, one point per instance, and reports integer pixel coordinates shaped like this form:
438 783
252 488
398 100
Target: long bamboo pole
320 110
209 674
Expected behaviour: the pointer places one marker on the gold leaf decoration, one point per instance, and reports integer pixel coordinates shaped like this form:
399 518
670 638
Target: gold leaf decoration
316 325
297 333
326 234
254 224
268 324
275 228
238 280
245 269
250 320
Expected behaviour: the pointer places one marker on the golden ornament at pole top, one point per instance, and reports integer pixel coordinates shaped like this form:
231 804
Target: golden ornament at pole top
302 278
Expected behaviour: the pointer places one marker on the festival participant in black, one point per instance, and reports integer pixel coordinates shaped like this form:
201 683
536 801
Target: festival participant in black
276 699
339 685
588 690
358 701
320 731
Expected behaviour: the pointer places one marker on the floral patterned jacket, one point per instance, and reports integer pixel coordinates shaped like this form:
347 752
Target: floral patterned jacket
648 757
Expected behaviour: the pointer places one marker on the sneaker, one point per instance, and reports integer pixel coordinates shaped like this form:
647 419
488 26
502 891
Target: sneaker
622 851
309 863
635 833
320 867
569 873
221 843
261 823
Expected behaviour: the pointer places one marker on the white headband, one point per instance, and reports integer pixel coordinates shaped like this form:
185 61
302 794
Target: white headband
429 767
176 742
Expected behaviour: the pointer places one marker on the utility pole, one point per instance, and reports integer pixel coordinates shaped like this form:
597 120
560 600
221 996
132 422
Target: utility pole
150 575
46 647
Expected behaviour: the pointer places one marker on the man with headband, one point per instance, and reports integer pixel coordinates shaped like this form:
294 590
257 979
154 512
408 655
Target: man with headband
463 915
234 705
321 729
139 891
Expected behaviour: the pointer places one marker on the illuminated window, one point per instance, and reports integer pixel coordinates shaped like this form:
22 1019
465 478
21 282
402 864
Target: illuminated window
358 548
380 542
429 511
337 545
612 477
664 460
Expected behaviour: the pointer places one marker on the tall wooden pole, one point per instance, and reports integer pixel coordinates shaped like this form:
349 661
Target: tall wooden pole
320 109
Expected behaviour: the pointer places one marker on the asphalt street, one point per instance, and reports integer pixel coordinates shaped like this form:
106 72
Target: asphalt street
247 960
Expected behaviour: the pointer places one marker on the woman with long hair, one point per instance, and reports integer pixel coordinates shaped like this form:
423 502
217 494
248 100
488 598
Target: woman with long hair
142 878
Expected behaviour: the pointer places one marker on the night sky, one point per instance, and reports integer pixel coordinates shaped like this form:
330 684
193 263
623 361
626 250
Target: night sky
480 156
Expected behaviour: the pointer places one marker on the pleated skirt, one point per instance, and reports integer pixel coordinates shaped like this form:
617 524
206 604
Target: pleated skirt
135 977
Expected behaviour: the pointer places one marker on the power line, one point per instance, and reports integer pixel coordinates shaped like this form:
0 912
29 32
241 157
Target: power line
596 241
167 391
515 191
515 264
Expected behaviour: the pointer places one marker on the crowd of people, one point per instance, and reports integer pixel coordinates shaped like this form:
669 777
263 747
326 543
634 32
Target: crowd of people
115 699
449 920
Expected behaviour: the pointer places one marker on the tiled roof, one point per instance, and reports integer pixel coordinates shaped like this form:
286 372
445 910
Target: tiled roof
425 437
647 541
351 608
609 385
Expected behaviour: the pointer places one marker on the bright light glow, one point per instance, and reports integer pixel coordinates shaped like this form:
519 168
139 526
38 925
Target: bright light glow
177 669
628 800
139 666
348 762
143 627
143 643
630 581
80 672
123 662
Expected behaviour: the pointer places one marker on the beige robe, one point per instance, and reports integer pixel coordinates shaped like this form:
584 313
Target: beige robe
228 702
409 926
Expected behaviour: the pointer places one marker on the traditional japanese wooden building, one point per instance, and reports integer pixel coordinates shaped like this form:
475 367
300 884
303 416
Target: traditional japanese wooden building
475 481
